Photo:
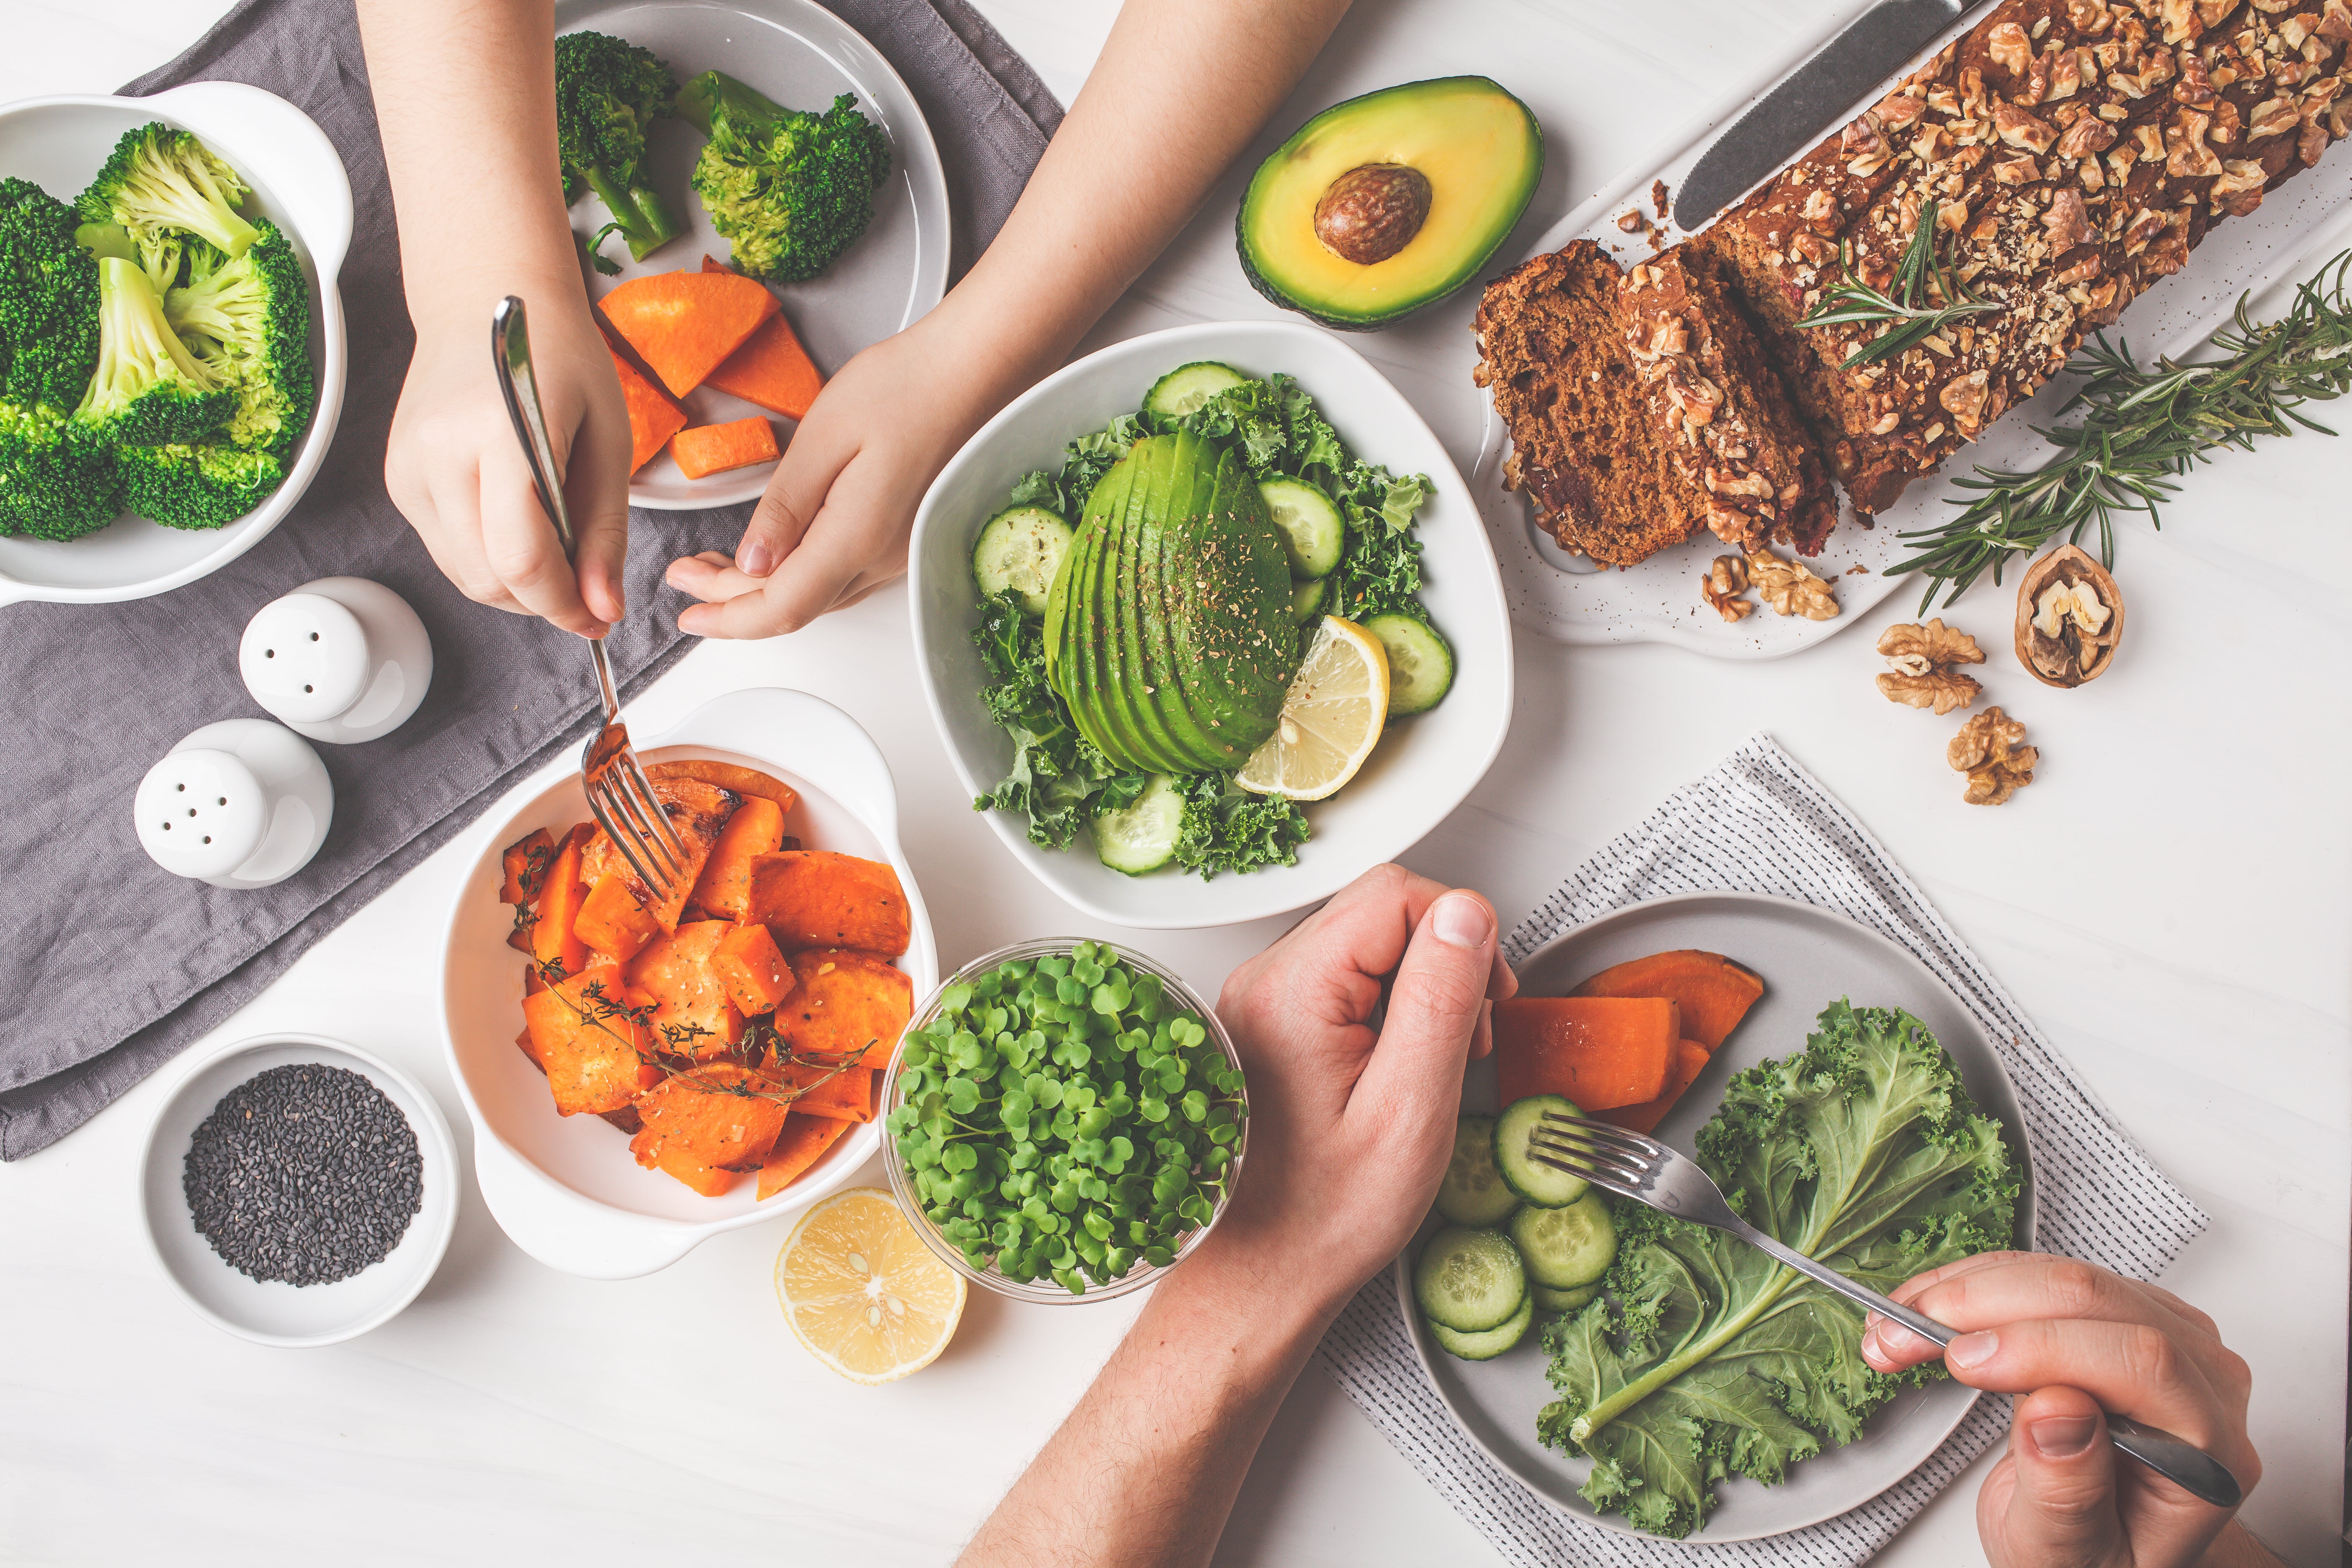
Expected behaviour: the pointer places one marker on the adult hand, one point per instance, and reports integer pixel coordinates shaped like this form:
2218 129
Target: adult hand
1352 1125
456 472
2071 1339
832 524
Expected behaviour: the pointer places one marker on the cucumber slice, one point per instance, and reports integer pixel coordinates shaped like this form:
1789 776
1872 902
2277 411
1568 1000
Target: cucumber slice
1563 1249
1486 1346
1473 1192
1421 665
1312 531
1186 390
1547 1300
1142 837
1537 1185
1018 549
1306 599
1469 1280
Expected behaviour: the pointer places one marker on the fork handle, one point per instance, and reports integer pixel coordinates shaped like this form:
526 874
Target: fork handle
510 352
2176 1460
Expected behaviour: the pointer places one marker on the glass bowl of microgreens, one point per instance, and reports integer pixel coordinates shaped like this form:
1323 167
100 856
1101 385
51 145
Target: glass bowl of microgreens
1065 1121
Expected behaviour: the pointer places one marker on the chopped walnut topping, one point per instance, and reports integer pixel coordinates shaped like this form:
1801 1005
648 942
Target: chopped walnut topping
2008 48
2019 128
1963 398
2016 172
1988 749
2185 154
1722 583
2085 137
1791 587
1632 222
2068 221
1919 666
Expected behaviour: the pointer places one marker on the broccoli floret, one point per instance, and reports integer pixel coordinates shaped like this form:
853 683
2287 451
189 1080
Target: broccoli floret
149 390
248 322
198 487
608 93
48 301
792 190
56 482
160 181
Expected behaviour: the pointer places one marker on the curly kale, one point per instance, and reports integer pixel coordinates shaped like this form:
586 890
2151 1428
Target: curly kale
1058 777
792 190
1227 829
247 321
608 93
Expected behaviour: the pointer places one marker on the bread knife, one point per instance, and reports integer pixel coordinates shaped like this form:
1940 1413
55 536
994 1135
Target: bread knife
1810 99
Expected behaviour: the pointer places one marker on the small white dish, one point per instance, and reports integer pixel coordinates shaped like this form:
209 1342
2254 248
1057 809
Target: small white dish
272 1312
1425 765
565 1188
298 183
801 56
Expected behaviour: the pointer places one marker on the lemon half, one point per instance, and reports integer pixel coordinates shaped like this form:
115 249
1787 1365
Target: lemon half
862 1291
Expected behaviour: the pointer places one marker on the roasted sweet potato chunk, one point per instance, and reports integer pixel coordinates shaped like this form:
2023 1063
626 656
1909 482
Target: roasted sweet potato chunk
844 1000
1713 991
525 861
1690 1059
1602 1052
752 969
699 812
712 1121
725 885
591 1048
742 780
552 942
844 1094
801 1145
691 1015
612 922
815 897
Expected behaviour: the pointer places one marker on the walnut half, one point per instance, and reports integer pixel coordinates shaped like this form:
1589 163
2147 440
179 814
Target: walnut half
1722 583
1920 672
2070 618
1987 749
1791 587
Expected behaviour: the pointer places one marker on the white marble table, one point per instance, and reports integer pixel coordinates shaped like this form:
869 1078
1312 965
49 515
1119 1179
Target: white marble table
2168 899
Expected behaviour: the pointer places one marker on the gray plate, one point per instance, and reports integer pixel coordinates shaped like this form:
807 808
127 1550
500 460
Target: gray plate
801 55
1808 958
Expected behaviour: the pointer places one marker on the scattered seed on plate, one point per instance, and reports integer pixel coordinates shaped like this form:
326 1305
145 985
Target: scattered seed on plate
305 1173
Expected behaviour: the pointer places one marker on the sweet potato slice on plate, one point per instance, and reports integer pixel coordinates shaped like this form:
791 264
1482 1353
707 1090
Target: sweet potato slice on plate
725 885
1690 1059
742 780
716 1121
801 1145
589 1045
845 1001
756 974
525 862
816 898
1602 1052
612 922
553 944
691 1014
1713 993
699 812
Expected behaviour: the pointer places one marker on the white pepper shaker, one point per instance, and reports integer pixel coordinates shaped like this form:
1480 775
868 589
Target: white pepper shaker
341 659
240 803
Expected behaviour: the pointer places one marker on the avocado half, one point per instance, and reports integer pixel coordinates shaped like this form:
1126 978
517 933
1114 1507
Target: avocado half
1168 627
1481 153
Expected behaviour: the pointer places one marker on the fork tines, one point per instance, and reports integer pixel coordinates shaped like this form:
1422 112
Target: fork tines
1608 1156
623 801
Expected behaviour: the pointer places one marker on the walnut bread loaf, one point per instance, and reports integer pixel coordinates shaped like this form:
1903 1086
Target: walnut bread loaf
1552 351
1728 426
2076 151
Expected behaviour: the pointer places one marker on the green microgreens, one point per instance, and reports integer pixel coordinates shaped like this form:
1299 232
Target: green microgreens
1906 310
1060 1117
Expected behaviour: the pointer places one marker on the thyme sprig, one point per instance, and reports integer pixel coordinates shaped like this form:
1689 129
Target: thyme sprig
675 1058
1924 275
2141 430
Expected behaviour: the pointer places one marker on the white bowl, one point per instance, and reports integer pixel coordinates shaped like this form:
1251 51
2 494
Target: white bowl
298 183
565 1188
1424 767
272 1312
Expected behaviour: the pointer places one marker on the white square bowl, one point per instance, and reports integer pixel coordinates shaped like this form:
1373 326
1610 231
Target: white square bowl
1425 764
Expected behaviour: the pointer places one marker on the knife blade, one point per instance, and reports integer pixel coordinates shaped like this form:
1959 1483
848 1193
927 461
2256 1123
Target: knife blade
1808 100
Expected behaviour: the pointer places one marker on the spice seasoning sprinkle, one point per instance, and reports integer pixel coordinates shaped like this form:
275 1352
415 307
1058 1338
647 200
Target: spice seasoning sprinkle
305 1173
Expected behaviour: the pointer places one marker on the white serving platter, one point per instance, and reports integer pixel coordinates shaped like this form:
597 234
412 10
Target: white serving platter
298 183
1569 599
1808 958
803 57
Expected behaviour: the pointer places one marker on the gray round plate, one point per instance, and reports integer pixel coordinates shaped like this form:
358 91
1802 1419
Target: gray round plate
1808 958
801 55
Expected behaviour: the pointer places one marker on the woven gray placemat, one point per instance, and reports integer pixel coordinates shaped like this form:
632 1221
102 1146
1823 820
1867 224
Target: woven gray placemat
112 965
1760 823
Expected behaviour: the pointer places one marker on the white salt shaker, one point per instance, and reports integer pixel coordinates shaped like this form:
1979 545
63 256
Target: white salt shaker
241 803
341 659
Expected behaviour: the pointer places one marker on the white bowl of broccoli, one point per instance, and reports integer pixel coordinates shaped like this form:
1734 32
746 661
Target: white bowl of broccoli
202 288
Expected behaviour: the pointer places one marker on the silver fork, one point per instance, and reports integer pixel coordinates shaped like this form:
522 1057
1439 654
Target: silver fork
1632 1166
619 795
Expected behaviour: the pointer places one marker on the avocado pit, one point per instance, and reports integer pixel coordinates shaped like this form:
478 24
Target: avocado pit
1372 211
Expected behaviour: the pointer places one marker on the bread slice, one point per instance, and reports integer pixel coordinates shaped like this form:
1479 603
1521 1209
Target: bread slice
1728 426
1552 353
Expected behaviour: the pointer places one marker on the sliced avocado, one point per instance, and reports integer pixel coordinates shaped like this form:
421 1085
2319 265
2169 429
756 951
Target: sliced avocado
1130 710
1160 568
1236 647
1388 202
1068 605
1099 700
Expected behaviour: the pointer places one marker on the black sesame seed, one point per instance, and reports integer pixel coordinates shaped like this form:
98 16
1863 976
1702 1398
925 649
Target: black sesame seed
305 1174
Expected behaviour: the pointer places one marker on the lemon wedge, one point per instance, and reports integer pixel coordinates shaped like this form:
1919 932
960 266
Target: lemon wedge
1331 718
862 1291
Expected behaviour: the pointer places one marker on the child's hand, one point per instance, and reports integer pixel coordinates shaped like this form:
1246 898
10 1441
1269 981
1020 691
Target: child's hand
833 525
458 475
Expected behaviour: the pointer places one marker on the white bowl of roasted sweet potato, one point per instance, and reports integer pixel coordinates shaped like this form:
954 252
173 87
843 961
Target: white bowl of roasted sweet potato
641 1075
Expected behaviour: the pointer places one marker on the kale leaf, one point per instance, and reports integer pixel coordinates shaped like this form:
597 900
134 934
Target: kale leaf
1705 1358
1226 828
1058 776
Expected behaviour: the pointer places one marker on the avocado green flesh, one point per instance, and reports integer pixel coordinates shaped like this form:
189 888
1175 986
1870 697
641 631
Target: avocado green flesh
1480 149
1108 719
1156 574
1236 647
1124 675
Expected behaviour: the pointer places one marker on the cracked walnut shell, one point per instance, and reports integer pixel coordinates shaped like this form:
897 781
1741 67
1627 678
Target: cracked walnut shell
1791 587
1987 749
1920 658
2070 618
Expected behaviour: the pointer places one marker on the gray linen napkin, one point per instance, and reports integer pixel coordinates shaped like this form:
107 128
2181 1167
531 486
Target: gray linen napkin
111 964
1761 824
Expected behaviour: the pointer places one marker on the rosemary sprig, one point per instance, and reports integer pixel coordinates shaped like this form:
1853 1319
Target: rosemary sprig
1925 272
2143 428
